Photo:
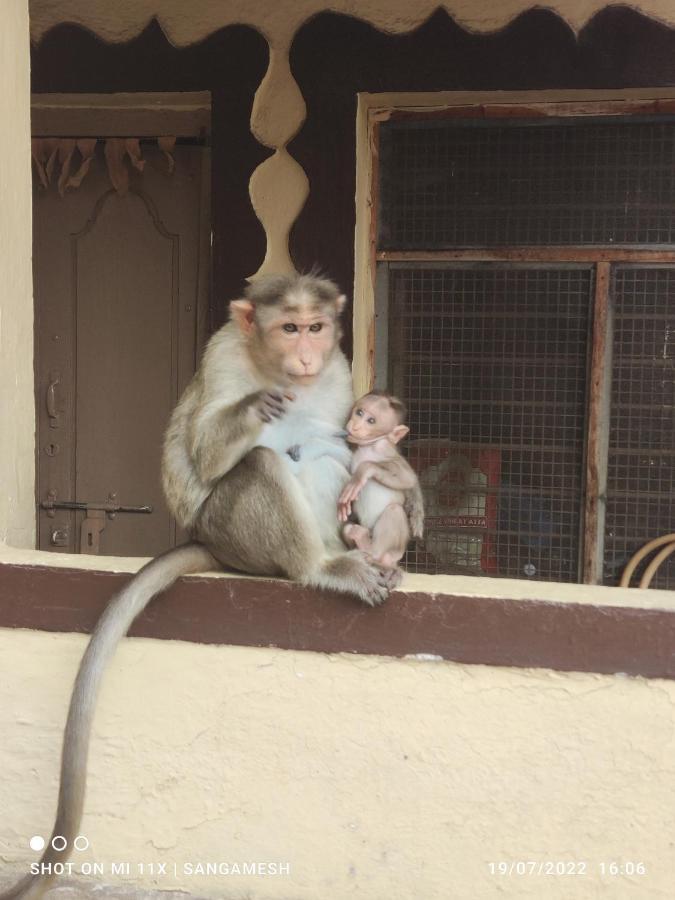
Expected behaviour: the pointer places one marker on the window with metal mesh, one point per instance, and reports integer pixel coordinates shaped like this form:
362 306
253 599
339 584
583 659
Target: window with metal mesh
474 183
491 360
641 465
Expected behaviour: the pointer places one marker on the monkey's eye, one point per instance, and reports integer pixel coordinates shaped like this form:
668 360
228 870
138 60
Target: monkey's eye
316 327
359 412
290 327
371 420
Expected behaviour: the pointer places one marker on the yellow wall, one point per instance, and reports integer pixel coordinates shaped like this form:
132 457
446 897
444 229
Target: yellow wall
17 418
372 777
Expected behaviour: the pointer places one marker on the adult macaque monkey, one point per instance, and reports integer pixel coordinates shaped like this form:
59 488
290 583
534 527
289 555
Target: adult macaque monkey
277 361
384 489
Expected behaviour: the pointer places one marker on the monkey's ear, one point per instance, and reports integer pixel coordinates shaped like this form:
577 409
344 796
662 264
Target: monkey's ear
243 313
340 303
398 432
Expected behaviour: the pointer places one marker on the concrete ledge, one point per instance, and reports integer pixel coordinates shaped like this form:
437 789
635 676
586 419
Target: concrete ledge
606 630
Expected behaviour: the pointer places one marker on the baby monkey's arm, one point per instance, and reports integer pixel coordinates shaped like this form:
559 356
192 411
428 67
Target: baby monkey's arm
414 509
393 472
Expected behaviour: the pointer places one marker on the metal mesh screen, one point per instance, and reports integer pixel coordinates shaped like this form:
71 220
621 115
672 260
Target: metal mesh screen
491 360
446 184
641 472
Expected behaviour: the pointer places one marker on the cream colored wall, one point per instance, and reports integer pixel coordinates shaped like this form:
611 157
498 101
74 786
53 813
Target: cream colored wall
17 418
372 777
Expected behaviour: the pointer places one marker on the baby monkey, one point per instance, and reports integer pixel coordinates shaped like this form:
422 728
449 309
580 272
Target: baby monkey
383 488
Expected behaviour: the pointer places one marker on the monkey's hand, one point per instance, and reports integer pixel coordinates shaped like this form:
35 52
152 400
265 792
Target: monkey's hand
344 511
270 405
351 491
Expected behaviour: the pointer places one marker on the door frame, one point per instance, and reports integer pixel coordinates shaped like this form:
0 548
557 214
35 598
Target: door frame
181 114
175 114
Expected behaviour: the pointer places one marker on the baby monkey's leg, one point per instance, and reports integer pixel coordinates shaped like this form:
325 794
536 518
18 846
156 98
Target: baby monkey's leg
357 536
391 534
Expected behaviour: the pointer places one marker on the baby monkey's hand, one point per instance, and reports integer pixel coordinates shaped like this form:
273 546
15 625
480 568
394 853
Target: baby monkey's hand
350 492
344 510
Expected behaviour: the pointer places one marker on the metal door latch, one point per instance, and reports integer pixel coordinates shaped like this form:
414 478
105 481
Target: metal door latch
60 537
53 406
95 519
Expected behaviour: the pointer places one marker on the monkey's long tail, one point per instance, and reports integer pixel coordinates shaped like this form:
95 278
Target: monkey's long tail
154 577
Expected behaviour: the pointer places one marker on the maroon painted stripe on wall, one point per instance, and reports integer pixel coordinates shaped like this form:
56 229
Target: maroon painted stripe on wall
262 613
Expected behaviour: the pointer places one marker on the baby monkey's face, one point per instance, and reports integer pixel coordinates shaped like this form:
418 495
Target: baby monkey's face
373 418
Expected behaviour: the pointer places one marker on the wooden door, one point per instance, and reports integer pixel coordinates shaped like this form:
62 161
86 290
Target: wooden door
120 288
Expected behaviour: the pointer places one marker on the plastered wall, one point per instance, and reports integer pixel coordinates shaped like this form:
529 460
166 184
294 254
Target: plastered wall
17 418
370 777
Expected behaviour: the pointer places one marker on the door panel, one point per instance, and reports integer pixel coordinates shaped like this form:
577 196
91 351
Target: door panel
119 285
126 314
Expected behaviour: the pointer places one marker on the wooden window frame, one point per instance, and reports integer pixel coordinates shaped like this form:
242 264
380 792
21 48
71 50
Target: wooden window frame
373 110
144 114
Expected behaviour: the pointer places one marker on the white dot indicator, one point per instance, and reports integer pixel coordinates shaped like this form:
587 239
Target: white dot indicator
37 843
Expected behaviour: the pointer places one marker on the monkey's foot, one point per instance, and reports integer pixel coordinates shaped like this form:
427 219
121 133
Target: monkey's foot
393 576
355 573
356 535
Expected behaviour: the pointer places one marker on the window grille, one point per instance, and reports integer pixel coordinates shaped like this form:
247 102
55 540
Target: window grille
491 361
468 183
641 470
496 352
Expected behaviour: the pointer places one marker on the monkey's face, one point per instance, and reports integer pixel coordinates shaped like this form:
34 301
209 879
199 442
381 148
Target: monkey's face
373 418
298 342
291 335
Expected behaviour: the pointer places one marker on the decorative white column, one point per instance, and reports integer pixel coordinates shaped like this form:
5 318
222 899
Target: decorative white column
279 187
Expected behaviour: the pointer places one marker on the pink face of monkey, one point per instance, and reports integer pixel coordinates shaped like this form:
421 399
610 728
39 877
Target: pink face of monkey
292 339
373 418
